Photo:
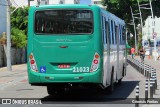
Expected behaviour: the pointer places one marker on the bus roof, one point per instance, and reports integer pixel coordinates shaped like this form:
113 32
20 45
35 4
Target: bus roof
64 6
71 6
114 17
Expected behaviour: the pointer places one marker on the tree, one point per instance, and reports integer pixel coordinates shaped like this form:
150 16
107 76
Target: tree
19 22
121 8
19 40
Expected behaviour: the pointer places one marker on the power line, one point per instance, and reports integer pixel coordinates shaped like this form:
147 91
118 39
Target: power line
14 3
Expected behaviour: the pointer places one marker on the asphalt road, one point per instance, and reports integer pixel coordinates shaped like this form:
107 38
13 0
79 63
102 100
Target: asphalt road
91 97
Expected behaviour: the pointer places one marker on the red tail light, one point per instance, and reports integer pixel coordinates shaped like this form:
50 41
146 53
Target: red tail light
95 62
33 64
32 61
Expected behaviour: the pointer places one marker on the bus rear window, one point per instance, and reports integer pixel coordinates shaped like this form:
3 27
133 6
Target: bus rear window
63 22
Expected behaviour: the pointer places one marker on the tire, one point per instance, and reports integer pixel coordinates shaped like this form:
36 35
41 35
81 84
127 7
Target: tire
50 90
119 82
124 71
111 87
54 90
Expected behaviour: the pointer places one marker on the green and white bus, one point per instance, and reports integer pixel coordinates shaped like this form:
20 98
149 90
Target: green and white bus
72 45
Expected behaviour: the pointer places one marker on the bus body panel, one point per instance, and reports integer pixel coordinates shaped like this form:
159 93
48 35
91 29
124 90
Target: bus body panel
67 78
80 52
114 52
52 50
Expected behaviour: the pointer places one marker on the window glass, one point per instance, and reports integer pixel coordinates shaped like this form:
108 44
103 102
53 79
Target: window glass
120 30
112 32
106 30
64 21
123 35
115 28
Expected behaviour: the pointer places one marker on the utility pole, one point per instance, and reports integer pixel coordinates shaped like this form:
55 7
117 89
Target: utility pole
141 6
9 67
28 3
135 34
140 17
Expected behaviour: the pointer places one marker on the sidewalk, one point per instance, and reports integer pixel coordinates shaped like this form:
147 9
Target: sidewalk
156 65
18 74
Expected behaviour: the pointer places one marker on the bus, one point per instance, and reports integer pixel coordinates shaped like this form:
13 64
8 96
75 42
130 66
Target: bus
145 43
149 45
75 45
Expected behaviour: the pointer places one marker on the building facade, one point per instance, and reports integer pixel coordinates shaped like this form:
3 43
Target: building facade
98 3
2 16
43 2
148 28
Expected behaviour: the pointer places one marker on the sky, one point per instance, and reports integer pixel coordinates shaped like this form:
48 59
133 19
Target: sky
85 1
25 2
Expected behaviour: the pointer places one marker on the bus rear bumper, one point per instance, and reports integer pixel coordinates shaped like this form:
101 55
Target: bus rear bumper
39 78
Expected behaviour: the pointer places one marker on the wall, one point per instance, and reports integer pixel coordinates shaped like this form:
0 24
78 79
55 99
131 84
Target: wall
147 28
18 56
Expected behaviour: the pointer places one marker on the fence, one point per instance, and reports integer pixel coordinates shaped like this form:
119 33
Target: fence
18 56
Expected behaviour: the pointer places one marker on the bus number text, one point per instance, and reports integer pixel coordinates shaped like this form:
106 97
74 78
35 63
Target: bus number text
80 69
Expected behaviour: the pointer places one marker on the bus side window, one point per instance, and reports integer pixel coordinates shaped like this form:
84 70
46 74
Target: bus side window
112 33
107 31
115 34
123 35
120 29
104 30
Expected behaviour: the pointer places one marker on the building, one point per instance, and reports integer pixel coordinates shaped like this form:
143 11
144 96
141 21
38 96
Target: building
148 28
42 2
2 16
98 3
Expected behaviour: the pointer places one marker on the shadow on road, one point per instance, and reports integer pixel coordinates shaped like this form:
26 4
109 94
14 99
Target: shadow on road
121 92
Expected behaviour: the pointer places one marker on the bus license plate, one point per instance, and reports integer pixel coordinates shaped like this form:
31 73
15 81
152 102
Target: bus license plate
63 66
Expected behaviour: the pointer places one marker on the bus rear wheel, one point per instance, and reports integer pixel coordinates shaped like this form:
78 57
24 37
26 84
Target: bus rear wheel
119 81
54 89
111 87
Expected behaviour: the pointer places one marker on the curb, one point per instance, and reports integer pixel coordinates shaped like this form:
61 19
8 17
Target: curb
3 69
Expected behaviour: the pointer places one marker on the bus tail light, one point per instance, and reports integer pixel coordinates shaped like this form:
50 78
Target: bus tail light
32 62
95 62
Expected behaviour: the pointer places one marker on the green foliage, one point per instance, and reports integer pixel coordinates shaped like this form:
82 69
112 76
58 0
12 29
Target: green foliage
131 42
19 22
139 45
19 39
140 41
121 8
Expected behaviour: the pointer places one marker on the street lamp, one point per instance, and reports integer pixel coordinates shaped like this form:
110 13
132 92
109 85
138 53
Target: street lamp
9 67
142 7
140 13
135 37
